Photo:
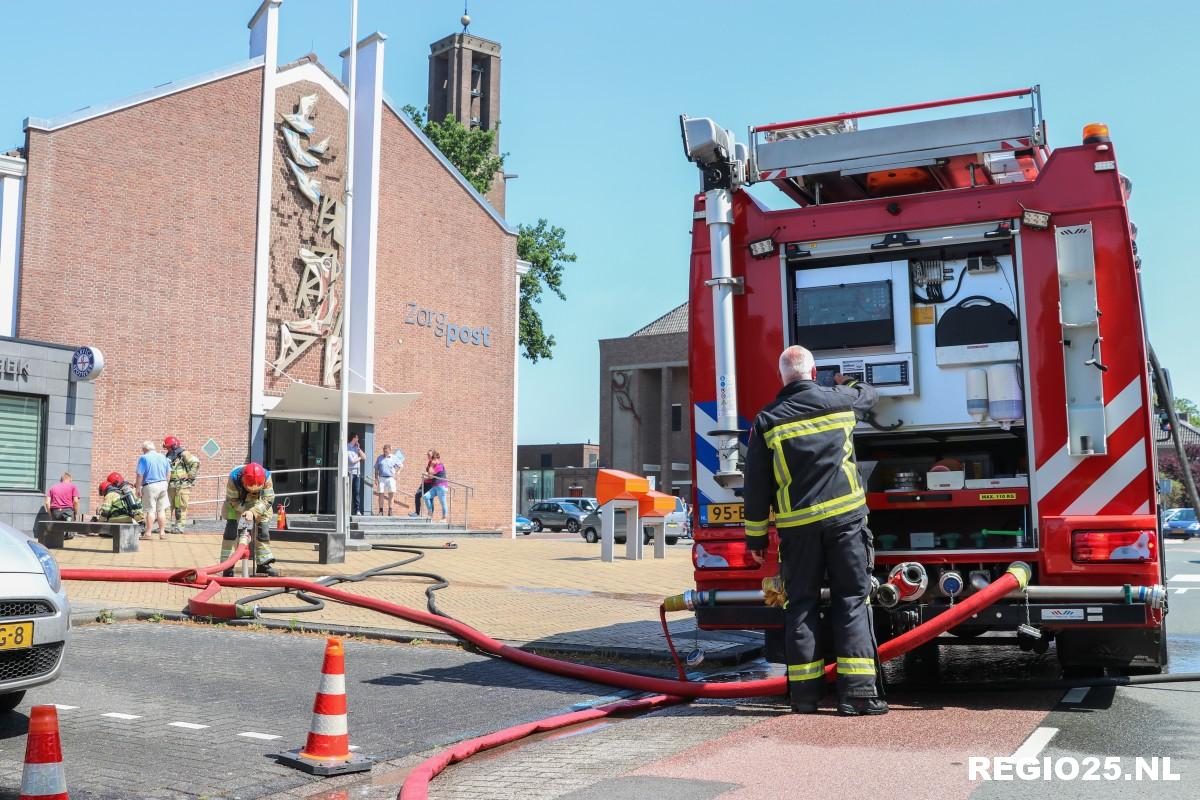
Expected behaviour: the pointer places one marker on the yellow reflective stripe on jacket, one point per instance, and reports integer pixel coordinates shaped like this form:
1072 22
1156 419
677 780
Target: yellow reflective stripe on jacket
821 511
783 479
805 427
755 528
806 672
856 666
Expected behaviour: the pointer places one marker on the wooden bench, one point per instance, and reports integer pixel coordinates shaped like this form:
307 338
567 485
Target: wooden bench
331 548
124 534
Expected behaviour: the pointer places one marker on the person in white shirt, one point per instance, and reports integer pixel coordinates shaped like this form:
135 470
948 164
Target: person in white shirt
386 467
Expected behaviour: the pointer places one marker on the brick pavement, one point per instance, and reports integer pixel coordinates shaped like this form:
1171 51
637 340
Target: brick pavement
552 593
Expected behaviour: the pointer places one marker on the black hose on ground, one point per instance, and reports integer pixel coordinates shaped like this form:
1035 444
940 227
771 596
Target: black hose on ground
390 570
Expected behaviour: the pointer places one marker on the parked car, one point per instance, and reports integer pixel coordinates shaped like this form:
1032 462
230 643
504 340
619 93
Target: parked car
588 504
35 616
590 530
556 516
524 526
1183 524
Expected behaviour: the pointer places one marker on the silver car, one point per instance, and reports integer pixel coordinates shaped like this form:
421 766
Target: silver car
35 616
554 515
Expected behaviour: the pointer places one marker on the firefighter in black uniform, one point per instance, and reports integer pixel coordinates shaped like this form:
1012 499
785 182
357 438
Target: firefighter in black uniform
801 463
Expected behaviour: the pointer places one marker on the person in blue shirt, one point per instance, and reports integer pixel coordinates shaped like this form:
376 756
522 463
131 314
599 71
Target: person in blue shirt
153 472
386 467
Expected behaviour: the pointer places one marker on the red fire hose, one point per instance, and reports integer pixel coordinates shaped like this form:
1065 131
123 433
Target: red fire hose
416 785
1016 577
669 690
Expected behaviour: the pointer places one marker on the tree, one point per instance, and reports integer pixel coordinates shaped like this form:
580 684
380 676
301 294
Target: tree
544 246
1169 466
471 150
1187 411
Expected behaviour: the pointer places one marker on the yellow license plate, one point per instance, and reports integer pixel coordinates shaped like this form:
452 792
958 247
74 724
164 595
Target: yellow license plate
724 514
16 635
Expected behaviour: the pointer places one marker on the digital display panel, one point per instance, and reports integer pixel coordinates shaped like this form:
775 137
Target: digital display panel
844 316
854 302
887 374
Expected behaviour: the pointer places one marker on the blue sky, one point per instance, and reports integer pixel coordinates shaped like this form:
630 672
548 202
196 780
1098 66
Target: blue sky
591 93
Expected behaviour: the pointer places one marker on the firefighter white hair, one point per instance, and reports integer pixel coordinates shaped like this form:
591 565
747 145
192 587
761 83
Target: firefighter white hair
796 364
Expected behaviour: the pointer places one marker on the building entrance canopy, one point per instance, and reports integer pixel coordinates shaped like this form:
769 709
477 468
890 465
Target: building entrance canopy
303 401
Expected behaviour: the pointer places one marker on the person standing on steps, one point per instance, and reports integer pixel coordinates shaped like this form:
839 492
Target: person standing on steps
435 472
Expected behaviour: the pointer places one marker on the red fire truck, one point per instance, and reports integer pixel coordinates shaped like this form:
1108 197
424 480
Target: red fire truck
989 289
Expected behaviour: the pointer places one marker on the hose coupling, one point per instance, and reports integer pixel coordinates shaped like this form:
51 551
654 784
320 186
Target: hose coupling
950 583
1154 596
680 602
1021 571
245 612
888 596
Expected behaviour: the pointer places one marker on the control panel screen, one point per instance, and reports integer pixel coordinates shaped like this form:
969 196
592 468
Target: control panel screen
843 316
888 374
825 375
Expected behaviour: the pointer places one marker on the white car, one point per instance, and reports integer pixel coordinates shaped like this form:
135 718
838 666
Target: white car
678 521
35 616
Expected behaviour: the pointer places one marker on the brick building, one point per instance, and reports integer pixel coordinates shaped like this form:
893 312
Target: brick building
555 470
644 424
195 233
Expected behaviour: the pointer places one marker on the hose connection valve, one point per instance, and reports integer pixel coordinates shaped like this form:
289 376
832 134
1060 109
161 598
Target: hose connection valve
906 583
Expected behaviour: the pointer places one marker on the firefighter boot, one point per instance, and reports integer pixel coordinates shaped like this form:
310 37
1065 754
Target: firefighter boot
861 706
267 569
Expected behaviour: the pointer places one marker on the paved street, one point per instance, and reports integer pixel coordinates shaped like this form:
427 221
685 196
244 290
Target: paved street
163 710
135 695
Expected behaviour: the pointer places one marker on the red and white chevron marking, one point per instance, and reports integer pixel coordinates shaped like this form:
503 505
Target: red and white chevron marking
1073 485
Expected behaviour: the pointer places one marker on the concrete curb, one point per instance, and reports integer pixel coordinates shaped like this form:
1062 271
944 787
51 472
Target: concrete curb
731 656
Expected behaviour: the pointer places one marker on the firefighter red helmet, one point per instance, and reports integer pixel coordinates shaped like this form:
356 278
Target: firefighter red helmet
170 442
253 476
114 478
103 488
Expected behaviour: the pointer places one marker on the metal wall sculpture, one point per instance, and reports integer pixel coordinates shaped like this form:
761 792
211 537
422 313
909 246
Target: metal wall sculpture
317 298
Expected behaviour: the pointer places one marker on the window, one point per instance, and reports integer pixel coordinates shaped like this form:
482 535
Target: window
21 424
676 417
547 461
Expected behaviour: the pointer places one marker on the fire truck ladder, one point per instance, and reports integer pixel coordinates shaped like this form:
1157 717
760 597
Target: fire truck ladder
789 152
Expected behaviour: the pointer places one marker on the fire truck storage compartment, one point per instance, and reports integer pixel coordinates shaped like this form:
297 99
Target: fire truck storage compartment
951 316
987 507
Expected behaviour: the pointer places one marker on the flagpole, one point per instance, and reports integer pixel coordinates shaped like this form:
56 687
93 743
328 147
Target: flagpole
344 505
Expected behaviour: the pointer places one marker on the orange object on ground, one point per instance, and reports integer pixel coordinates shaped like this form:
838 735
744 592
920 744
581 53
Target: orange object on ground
327 751
281 519
614 484
42 778
655 504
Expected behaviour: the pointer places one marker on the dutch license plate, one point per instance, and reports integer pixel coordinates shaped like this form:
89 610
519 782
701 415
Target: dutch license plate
16 635
724 513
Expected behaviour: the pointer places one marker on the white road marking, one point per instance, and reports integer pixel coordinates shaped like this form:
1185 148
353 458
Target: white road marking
1034 745
1181 591
1075 695
65 708
191 726
265 736
354 747
1187 578
116 715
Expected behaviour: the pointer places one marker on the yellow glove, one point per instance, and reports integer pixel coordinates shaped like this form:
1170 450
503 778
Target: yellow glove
773 591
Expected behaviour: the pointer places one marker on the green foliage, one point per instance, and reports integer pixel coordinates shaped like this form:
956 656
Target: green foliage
155 617
106 616
472 150
1188 411
544 246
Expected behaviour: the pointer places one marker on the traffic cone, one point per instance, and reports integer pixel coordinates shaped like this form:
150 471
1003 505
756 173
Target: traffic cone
327 751
42 778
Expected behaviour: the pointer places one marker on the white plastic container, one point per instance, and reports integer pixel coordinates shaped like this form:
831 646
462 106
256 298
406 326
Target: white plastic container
1005 402
945 480
977 394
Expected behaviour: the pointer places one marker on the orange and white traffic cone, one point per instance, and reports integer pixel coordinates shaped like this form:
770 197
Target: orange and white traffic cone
42 778
327 751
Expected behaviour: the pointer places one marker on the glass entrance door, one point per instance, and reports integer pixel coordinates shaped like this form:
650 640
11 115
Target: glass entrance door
294 444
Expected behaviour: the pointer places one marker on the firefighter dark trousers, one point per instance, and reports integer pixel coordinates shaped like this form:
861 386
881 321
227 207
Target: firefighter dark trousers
806 558
262 547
